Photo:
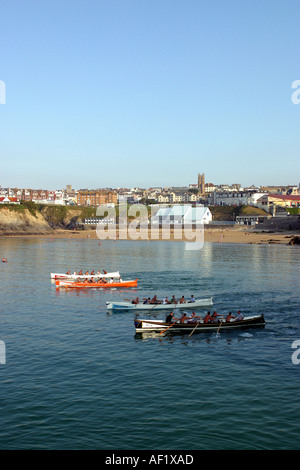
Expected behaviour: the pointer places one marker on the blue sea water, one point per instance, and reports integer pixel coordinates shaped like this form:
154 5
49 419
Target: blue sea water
77 377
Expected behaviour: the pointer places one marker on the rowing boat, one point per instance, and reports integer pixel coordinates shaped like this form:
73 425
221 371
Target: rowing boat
111 305
93 285
82 276
158 326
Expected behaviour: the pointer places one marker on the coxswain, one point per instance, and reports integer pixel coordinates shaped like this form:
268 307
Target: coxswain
239 317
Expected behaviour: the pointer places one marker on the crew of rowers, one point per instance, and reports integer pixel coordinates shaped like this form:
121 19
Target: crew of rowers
207 319
165 301
97 275
92 273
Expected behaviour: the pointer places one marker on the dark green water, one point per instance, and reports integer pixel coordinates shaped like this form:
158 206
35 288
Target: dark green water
76 377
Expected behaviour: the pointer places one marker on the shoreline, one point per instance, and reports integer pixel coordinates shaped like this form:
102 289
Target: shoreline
211 235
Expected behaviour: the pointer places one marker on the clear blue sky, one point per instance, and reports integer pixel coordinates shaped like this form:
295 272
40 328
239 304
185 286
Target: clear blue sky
112 93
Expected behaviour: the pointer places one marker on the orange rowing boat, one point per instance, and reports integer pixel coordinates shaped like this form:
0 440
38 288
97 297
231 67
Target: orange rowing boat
109 285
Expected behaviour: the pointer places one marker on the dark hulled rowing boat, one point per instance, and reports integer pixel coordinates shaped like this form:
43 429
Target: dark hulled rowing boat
158 326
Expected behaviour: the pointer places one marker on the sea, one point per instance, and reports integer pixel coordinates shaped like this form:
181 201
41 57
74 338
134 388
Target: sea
76 376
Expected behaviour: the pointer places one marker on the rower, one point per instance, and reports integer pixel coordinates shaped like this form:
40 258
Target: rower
155 300
173 300
182 300
69 272
170 318
87 273
135 301
229 317
192 299
214 317
92 273
165 301
193 317
80 272
207 318
183 318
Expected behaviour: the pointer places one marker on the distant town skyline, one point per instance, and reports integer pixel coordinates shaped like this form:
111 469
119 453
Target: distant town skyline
149 93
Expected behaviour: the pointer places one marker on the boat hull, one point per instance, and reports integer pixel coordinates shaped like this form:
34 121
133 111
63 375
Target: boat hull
95 285
73 276
145 326
129 306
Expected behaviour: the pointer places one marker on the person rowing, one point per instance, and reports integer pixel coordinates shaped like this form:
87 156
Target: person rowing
214 318
207 318
135 301
170 318
69 272
173 300
192 299
193 318
229 317
155 300
182 300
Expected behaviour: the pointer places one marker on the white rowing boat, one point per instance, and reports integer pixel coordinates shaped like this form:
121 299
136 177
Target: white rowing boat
82 276
111 305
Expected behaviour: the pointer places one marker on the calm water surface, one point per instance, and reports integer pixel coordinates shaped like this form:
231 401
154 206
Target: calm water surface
77 377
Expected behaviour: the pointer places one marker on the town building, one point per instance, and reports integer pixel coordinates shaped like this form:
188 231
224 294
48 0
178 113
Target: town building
87 197
234 198
201 183
272 202
182 215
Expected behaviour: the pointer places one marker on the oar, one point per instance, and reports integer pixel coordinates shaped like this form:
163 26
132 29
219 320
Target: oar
167 328
194 329
219 327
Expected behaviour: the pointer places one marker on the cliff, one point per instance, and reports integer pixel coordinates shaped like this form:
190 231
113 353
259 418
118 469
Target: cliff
31 218
12 221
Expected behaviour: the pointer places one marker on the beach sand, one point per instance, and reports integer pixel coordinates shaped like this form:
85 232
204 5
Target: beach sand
211 234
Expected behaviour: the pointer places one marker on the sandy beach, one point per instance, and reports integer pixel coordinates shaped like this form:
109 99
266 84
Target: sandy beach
211 234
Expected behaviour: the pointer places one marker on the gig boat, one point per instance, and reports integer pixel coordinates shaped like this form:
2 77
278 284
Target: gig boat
159 326
111 305
93 285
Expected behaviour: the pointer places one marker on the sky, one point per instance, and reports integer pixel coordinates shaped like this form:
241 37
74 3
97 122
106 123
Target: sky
126 93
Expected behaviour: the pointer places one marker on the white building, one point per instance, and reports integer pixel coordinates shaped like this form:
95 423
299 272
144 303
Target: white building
234 198
182 214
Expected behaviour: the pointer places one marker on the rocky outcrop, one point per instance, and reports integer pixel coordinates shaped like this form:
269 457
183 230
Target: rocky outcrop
16 221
